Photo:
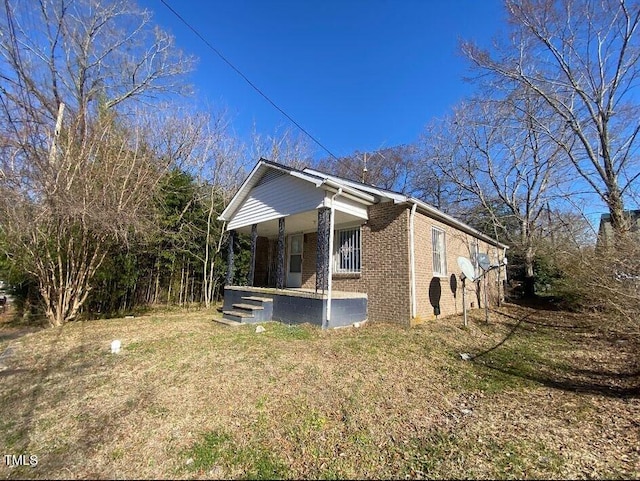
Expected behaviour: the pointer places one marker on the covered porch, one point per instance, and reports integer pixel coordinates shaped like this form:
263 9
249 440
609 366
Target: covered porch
293 261
303 229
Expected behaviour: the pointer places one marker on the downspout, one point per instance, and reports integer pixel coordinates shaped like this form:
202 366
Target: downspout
412 260
330 279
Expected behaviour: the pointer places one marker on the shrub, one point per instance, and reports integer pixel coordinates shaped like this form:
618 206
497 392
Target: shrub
604 279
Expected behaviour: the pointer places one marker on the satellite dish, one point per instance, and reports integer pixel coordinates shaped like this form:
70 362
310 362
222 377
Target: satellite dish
467 268
483 261
504 261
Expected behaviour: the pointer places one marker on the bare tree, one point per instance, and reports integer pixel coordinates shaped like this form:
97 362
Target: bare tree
217 161
581 57
62 212
388 168
80 157
283 146
427 181
501 162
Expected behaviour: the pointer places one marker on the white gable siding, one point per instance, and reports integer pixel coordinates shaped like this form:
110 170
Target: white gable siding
348 206
280 197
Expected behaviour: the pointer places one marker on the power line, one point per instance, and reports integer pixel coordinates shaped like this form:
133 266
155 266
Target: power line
217 52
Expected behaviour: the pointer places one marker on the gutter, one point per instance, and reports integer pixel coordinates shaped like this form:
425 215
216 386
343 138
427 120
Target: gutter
447 219
412 261
349 192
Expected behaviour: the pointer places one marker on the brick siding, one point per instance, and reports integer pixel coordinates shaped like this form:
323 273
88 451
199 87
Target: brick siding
450 286
309 249
385 272
260 277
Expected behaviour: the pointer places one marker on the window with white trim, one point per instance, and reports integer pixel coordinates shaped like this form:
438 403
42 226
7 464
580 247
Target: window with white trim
438 246
347 251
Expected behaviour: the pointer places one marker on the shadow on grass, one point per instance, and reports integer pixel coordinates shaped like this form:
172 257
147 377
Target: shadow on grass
567 383
13 325
20 424
541 303
64 375
530 359
10 336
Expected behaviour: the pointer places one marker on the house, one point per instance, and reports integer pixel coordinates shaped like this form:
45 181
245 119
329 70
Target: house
605 230
334 252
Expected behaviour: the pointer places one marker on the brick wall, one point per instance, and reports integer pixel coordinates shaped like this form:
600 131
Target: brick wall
265 253
385 265
385 274
261 275
447 290
309 250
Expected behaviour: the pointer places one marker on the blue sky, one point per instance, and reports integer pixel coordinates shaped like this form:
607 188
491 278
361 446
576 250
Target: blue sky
356 74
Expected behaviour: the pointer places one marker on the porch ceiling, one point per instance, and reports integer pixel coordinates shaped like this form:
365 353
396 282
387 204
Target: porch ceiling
303 222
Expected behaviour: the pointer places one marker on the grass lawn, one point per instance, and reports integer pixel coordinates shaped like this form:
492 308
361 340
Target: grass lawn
549 395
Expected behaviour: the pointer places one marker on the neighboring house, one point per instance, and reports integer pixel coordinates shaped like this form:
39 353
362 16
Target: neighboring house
605 231
333 252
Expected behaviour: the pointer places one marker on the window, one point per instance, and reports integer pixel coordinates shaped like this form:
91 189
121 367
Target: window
346 255
439 252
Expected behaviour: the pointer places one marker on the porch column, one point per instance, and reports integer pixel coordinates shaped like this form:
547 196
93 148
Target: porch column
280 259
229 280
323 256
252 262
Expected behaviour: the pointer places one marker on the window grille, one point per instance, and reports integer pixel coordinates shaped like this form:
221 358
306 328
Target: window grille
347 251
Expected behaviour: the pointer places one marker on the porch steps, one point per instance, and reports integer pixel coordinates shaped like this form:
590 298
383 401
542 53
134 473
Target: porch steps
228 322
238 316
253 309
248 307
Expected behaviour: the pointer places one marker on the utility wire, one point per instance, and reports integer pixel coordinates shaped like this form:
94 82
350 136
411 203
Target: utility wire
246 79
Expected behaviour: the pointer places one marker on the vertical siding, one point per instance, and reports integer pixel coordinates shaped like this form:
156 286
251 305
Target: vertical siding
349 206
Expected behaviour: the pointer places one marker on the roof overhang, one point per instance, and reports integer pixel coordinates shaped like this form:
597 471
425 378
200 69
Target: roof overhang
431 211
361 193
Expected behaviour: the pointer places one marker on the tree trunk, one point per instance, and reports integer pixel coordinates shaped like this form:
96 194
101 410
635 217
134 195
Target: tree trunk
149 284
619 223
173 263
529 274
157 289
181 296
207 254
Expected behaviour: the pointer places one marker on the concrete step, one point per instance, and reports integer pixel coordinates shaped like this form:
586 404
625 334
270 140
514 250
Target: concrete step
252 309
238 316
249 307
228 322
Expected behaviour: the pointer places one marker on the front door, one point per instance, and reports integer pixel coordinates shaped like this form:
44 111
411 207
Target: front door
294 266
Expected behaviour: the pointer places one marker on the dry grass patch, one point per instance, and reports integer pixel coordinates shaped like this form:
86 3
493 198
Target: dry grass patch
551 396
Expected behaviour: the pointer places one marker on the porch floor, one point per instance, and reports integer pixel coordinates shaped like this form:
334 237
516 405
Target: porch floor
293 305
300 292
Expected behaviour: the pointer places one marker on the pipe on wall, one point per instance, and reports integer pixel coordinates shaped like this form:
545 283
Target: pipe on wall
412 261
